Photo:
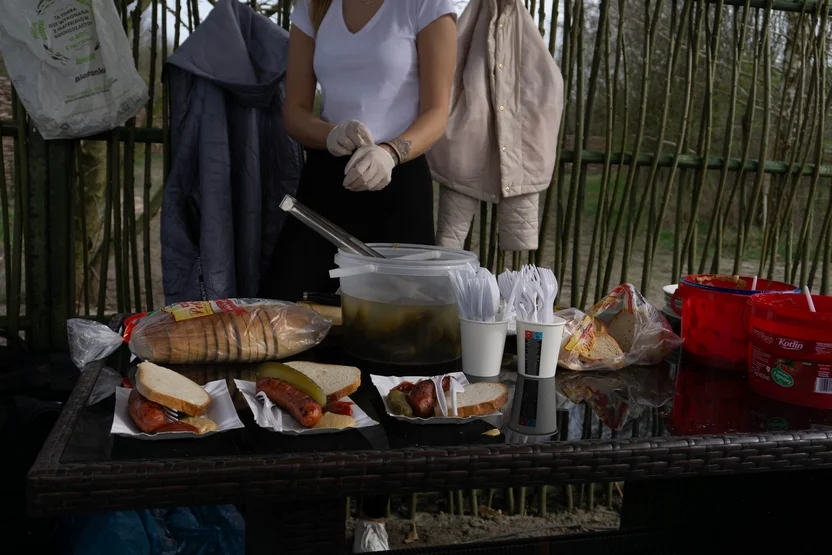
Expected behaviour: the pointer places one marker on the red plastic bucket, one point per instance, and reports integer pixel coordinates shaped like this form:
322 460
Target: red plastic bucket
713 317
790 355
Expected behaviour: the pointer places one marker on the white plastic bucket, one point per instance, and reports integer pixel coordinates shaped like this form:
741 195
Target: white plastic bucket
401 309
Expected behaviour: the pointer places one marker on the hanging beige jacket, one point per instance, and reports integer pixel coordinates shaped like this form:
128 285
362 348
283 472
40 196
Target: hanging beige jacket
502 135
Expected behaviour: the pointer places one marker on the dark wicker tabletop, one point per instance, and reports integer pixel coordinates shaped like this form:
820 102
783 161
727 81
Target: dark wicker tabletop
153 475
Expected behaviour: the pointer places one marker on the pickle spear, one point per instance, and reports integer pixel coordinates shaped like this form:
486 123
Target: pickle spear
397 402
299 380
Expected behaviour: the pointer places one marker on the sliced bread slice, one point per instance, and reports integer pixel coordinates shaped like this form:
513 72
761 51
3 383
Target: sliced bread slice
171 389
336 381
600 327
605 350
478 399
623 329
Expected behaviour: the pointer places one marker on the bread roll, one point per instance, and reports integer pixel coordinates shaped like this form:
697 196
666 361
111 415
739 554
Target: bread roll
227 331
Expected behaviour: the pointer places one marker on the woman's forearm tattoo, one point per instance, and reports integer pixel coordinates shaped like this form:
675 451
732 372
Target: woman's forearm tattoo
402 146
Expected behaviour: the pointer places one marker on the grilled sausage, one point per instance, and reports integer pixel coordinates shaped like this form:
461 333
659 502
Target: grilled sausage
446 384
422 399
148 416
299 404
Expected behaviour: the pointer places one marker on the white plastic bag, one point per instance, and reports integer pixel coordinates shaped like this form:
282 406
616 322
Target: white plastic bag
71 64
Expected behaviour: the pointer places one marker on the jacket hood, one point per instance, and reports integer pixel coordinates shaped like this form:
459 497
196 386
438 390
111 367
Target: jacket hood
237 49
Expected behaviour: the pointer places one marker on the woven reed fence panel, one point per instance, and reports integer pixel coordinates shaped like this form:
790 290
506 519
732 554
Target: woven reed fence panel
695 139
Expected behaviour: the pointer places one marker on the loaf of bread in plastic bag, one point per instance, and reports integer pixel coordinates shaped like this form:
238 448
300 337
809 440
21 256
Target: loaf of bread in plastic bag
227 331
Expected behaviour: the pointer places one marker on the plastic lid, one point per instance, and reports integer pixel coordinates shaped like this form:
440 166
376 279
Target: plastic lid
728 284
396 262
794 305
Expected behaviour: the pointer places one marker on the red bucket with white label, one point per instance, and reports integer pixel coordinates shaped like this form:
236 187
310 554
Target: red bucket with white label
713 317
790 355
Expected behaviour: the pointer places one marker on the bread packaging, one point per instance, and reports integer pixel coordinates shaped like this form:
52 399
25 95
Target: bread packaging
621 330
226 331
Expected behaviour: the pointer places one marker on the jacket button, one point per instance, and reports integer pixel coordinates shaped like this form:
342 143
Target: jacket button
500 66
501 108
508 189
504 149
493 195
501 25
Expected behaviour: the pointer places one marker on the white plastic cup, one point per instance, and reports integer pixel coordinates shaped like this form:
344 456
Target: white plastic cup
538 347
482 347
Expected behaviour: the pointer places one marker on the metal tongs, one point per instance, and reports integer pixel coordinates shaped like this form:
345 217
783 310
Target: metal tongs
326 229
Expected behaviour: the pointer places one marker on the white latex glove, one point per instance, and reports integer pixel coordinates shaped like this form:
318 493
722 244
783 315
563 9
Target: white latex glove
344 139
369 169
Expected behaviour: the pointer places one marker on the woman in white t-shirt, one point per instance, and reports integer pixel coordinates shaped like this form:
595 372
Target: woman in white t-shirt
385 69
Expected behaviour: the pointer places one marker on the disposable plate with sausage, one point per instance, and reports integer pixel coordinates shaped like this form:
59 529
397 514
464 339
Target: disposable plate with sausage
415 399
305 398
164 404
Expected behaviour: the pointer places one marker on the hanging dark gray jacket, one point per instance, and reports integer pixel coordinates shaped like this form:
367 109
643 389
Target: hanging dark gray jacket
231 159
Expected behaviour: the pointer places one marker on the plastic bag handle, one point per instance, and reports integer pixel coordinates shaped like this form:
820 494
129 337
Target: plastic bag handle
352 271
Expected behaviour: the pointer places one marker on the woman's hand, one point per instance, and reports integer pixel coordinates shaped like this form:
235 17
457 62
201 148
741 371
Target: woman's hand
369 169
348 137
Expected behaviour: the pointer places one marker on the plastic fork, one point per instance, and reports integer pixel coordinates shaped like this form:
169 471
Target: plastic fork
505 282
549 283
170 414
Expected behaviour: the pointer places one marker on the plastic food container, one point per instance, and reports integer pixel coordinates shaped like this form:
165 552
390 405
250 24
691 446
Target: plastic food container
790 355
401 309
713 317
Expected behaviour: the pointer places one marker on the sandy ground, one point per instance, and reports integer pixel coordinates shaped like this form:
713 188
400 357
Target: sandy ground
445 529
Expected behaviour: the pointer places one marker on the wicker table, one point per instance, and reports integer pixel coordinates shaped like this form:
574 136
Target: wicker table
305 479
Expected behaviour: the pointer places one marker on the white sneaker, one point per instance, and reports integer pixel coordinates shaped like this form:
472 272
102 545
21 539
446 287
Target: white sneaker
370 536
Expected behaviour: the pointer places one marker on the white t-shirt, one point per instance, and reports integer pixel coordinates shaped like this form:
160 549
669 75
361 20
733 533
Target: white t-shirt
372 75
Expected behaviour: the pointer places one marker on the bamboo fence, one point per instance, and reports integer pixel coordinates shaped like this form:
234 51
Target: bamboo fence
695 139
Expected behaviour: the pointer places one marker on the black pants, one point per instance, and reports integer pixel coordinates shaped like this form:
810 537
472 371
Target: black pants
402 212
